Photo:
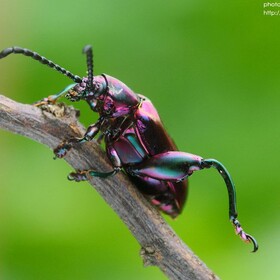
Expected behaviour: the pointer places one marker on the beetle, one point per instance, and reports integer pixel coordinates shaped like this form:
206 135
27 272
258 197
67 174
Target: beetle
135 140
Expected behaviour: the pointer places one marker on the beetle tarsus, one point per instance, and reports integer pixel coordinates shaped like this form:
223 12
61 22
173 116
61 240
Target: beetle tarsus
45 101
243 235
77 176
61 150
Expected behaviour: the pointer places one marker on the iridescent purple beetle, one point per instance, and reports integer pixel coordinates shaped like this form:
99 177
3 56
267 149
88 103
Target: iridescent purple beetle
135 140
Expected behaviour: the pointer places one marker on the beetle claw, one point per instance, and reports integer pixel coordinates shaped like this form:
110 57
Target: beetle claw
250 238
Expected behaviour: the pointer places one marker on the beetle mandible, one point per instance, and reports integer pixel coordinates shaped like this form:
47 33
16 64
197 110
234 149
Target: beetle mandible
135 140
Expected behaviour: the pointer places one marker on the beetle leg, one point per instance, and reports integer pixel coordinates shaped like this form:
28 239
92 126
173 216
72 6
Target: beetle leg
170 166
207 163
53 98
114 134
61 150
100 138
176 166
82 175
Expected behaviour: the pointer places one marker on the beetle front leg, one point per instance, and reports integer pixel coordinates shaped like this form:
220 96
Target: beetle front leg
82 175
53 98
61 150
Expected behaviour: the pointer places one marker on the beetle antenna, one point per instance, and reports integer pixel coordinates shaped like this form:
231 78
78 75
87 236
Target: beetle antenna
88 51
232 200
41 59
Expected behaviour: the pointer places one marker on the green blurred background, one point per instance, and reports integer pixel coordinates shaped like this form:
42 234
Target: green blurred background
212 70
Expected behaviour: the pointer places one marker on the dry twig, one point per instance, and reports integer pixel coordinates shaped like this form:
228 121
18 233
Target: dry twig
160 245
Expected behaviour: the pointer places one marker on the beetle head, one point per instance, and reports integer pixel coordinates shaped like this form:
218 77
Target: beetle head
82 91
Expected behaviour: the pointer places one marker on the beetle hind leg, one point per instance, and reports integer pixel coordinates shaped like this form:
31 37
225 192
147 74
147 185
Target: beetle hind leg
174 166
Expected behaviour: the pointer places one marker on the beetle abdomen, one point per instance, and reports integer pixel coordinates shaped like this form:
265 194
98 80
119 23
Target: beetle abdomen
169 197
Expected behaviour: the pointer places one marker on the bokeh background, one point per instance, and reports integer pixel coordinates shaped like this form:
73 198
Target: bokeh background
212 70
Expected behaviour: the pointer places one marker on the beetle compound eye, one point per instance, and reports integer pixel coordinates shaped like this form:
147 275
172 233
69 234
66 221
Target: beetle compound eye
73 95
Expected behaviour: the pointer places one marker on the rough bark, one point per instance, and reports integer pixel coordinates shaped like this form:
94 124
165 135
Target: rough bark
160 246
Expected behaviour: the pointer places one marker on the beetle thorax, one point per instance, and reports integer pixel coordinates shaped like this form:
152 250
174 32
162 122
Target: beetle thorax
119 100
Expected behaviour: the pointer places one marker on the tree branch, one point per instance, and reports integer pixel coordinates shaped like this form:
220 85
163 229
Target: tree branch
160 245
